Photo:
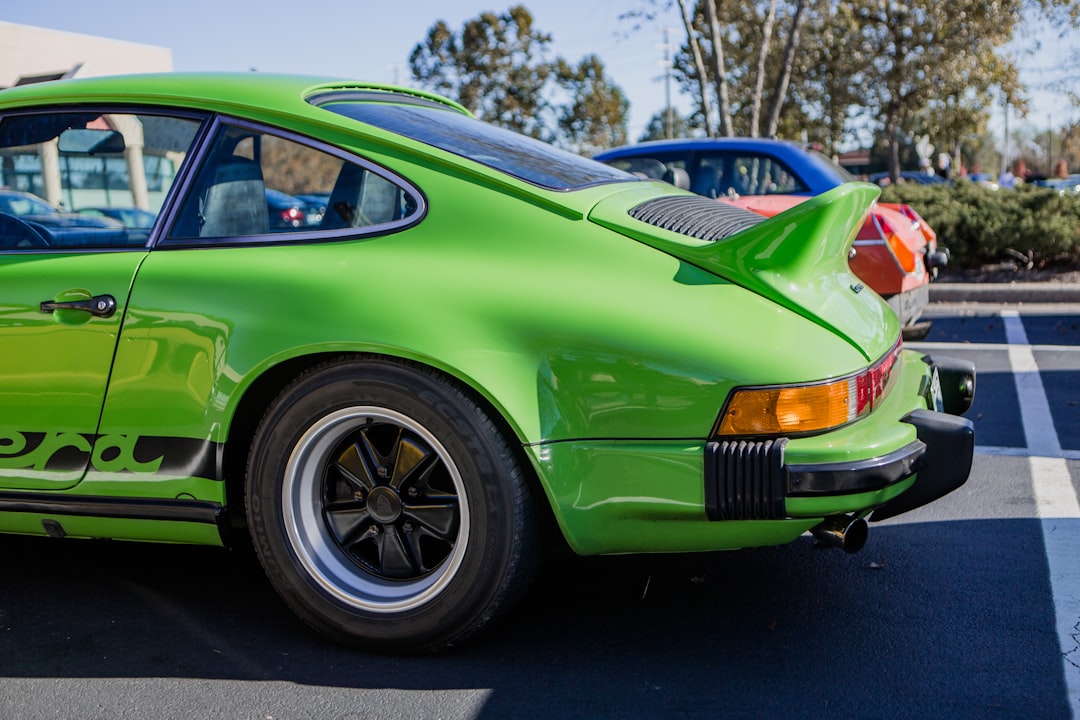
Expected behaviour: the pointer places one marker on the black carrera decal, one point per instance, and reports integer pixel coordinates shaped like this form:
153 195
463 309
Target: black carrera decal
112 453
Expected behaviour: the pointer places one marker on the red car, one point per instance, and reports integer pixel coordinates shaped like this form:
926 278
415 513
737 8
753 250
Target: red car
895 254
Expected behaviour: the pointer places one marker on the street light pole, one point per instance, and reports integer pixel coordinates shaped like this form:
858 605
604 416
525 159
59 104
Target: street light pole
669 125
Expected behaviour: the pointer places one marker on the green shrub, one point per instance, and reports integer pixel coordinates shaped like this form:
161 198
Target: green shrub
981 225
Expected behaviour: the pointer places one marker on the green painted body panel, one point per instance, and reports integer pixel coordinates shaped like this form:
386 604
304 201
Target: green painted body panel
798 259
637 365
633 489
622 496
54 367
188 533
147 485
608 347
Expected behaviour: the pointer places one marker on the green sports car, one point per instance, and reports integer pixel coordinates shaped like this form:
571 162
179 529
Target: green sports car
474 339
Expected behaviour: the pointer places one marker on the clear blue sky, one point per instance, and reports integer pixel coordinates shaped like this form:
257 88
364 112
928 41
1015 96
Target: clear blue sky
372 41
356 39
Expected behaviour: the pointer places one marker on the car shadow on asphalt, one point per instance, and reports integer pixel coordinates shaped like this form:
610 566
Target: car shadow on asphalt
929 614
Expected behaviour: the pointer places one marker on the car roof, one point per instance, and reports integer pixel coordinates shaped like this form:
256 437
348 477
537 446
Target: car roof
696 144
220 92
303 104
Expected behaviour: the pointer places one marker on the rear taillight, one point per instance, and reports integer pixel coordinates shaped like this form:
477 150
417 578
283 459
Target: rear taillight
807 409
903 253
293 217
875 383
919 224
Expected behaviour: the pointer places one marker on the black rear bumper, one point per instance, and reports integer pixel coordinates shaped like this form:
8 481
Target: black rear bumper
945 466
750 480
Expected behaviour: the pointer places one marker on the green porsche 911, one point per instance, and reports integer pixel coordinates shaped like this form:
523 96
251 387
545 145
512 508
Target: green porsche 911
392 345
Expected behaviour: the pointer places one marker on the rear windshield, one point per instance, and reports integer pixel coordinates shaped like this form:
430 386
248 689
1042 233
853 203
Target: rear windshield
514 154
827 165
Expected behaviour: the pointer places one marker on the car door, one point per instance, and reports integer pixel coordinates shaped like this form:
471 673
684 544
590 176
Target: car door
59 319
214 299
65 281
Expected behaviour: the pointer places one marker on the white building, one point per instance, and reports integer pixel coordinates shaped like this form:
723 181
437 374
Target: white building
32 54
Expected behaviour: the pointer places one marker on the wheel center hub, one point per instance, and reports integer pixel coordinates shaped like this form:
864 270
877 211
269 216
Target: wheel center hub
384 505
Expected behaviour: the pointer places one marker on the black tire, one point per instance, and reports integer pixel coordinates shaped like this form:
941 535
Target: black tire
387 508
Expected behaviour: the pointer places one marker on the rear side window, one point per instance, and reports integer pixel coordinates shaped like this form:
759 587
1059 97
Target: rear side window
254 184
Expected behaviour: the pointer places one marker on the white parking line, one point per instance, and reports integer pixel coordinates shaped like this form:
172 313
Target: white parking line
1055 499
929 347
1020 452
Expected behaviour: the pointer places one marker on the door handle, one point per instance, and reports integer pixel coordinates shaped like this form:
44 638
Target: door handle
99 305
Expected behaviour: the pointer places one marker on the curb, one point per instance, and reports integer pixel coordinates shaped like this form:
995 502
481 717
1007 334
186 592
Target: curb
1021 292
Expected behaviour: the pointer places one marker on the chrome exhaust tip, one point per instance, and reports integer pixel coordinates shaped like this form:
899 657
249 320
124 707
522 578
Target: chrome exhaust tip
842 531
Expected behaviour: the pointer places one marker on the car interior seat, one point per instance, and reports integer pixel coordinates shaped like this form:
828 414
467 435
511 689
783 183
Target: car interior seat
343 206
360 198
234 204
677 177
706 182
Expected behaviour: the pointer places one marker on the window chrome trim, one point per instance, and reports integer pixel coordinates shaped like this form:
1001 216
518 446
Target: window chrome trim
313 236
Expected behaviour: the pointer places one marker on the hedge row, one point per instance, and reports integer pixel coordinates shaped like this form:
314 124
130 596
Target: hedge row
981 225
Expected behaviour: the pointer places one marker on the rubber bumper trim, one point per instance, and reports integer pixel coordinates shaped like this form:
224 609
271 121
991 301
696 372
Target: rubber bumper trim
950 447
809 480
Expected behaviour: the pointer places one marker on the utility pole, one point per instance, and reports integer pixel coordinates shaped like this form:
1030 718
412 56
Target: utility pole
669 118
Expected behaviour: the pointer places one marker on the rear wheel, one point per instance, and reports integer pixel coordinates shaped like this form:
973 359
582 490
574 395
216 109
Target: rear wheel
387 508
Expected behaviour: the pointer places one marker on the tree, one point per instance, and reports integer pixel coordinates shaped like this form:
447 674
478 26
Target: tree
1070 146
786 65
827 90
933 56
496 66
700 75
731 47
657 127
595 117
795 67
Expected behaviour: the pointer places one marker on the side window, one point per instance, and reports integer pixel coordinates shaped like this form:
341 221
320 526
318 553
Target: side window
708 178
763 175
257 184
87 179
643 167
669 168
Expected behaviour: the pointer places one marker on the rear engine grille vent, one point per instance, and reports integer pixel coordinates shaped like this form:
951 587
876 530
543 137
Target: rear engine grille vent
745 480
698 217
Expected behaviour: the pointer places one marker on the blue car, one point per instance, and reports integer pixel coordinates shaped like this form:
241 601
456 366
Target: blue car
728 167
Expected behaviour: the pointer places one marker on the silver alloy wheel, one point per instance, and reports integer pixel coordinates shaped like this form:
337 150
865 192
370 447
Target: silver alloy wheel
375 509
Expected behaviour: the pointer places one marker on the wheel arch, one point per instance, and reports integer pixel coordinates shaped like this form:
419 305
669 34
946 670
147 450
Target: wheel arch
261 393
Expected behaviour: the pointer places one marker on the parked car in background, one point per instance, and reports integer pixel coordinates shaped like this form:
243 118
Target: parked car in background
285 211
484 342
1065 186
314 206
895 253
40 218
911 176
129 217
31 208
